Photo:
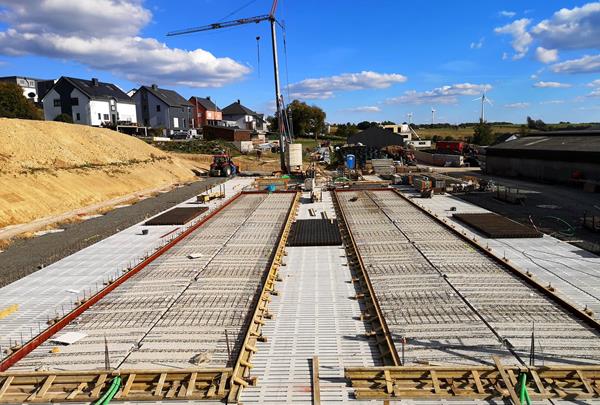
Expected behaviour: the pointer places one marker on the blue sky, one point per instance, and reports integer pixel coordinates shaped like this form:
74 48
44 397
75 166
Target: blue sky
358 60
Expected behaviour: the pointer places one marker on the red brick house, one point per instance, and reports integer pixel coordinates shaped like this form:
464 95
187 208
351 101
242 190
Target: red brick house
205 112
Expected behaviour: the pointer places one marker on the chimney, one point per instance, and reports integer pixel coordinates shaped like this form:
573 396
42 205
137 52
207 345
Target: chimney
94 82
208 98
154 87
239 101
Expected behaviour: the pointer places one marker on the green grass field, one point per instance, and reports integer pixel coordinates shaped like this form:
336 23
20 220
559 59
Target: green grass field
462 133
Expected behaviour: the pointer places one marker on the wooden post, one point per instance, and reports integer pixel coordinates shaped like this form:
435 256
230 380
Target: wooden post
316 388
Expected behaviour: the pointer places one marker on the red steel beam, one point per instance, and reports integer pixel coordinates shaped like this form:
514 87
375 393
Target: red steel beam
27 348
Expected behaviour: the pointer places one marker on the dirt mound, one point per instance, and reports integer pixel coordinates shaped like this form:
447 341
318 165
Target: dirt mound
48 168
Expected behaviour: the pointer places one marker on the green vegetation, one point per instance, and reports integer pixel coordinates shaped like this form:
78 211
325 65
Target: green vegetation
64 118
13 104
482 134
306 119
197 146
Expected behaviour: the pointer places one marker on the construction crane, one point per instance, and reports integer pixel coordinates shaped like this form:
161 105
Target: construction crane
281 127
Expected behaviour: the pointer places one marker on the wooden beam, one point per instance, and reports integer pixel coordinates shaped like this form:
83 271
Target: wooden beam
316 387
507 381
5 385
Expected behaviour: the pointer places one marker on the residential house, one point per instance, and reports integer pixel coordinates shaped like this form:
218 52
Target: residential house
162 108
205 112
244 118
89 102
33 89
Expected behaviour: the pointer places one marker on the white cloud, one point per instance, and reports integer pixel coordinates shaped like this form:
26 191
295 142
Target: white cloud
546 55
478 44
364 109
595 93
576 28
556 85
585 64
595 83
517 105
509 14
443 95
326 87
552 102
521 39
104 35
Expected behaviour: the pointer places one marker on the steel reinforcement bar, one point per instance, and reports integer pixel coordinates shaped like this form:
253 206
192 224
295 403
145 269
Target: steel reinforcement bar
584 315
577 382
86 304
136 385
240 377
373 314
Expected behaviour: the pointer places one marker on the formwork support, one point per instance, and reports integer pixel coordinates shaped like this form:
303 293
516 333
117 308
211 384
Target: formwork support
241 371
365 291
138 385
474 382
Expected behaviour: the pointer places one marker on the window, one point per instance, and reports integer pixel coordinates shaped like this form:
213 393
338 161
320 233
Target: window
75 101
106 117
113 107
78 117
57 102
99 116
183 123
157 107
175 122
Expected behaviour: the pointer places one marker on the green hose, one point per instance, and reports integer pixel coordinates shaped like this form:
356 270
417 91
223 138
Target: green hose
523 394
111 392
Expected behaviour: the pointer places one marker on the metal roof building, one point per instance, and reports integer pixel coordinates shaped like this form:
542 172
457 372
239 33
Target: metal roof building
558 156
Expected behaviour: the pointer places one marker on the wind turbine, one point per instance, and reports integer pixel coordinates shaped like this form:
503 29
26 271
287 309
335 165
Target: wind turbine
484 99
409 116
432 115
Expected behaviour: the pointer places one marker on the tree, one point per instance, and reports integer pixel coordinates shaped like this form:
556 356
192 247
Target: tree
388 123
13 103
482 134
345 130
366 125
536 124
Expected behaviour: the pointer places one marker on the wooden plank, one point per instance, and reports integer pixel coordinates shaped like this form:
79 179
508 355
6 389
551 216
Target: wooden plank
128 385
172 390
477 380
99 385
77 391
388 382
316 387
435 381
160 384
222 384
586 384
5 385
191 384
511 389
49 380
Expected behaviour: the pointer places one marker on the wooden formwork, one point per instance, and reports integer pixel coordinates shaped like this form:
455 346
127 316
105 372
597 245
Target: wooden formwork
136 385
575 382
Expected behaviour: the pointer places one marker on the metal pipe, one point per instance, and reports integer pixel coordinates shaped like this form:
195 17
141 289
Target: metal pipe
282 145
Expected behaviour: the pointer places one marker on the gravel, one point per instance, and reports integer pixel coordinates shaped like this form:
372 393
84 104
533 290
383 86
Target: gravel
26 256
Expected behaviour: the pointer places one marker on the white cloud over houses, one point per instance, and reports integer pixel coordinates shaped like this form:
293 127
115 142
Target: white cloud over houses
326 87
440 95
104 35
364 109
521 39
555 85
517 106
585 64
546 55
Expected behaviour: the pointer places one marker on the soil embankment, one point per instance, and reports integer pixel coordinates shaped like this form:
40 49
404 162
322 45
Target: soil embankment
49 168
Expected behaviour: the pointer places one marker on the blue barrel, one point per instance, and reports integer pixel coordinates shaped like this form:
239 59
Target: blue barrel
350 161
271 188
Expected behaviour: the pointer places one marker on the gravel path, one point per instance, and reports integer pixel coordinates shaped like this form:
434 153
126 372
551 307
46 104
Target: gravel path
26 256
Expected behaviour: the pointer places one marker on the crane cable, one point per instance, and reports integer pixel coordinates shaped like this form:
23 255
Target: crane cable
258 54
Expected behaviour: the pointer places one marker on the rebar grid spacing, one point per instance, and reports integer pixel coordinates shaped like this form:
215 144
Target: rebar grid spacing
373 315
240 377
136 385
575 382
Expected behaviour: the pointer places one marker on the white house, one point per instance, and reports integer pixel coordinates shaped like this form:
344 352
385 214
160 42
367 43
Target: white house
244 117
89 102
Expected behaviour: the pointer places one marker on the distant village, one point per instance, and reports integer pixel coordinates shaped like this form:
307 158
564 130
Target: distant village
164 111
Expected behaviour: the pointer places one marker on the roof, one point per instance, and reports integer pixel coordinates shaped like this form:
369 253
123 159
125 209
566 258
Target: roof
576 148
206 103
377 137
236 108
170 97
99 91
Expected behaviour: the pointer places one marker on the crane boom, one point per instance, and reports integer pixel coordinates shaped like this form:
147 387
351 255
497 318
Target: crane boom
226 24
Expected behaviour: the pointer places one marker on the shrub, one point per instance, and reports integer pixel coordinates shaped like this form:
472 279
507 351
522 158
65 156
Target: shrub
13 103
64 118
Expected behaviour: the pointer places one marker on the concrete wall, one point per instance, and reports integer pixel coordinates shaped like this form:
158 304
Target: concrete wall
542 170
